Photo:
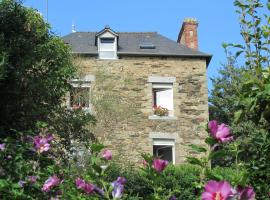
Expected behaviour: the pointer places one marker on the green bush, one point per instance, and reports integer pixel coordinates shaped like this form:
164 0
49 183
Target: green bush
179 180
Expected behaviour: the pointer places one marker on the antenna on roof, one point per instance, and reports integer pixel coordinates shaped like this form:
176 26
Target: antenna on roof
47 10
73 28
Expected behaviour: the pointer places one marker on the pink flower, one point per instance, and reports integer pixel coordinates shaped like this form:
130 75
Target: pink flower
88 188
145 164
107 154
217 191
246 193
32 179
159 164
213 126
42 143
2 147
80 183
220 132
50 183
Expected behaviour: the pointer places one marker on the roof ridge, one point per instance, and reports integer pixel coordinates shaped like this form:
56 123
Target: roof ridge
146 32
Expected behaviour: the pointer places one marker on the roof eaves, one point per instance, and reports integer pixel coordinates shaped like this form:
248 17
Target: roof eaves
207 57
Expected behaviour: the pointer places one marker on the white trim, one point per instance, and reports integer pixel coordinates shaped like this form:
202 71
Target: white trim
84 82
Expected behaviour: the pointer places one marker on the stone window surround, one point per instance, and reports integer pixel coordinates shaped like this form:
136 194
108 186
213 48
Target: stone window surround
161 79
165 138
84 82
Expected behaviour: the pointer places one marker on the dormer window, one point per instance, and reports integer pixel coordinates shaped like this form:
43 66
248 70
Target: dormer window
107 44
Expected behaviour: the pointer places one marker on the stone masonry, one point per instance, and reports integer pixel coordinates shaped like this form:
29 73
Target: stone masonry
135 137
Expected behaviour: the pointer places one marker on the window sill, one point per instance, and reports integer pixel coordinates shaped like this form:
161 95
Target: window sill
155 117
109 59
86 110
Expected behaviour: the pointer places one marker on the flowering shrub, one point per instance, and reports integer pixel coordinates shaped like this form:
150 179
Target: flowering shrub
160 111
223 190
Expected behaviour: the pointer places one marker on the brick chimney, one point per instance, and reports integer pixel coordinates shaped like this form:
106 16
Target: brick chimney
188 34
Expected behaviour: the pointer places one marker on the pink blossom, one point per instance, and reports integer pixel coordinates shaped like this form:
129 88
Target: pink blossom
220 132
32 179
107 154
42 143
145 164
159 164
50 183
217 191
246 193
80 183
83 185
2 146
213 126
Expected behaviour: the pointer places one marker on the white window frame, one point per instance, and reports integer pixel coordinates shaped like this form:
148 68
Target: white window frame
164 86
165 142
82 83
113 50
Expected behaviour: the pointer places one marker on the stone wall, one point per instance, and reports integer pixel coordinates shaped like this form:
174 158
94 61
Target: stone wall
133 134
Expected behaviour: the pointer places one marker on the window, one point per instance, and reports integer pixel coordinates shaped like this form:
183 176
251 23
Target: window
107 48
79 95
164 149
162 94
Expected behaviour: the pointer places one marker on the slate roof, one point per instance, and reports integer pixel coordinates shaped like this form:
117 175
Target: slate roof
129 44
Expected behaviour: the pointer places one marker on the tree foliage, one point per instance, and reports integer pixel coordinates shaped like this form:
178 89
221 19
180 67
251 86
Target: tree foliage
241 96
35 68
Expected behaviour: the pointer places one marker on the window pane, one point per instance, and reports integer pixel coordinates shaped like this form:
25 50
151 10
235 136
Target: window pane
107 54
107 40
163 98
164 152
79 97
106 46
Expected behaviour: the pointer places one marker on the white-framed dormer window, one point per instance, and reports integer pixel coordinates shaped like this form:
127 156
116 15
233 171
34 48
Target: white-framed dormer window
107 48
107 43
164 149
79 94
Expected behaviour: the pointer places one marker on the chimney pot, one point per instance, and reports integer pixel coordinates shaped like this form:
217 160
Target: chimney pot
188 35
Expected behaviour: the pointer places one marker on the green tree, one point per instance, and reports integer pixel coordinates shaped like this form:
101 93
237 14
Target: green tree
246 94
224 95
35 68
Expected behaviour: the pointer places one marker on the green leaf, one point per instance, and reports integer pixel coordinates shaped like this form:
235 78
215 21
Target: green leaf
267 89
97 168
210 141
194 161
96 147
217 154
198 148
237 115
3 183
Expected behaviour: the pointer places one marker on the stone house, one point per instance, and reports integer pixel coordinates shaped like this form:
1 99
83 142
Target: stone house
161 83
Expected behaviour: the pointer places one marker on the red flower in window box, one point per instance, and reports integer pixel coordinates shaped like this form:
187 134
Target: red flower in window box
160 111
76 106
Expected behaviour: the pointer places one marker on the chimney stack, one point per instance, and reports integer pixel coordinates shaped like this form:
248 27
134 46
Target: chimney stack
188 34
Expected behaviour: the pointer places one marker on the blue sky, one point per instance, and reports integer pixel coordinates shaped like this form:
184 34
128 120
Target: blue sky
218 21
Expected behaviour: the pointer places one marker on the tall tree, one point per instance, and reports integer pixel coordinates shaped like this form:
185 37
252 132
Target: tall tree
35 66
